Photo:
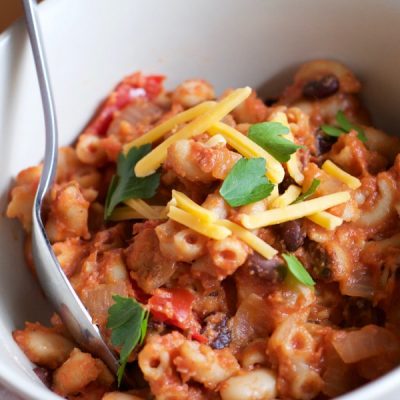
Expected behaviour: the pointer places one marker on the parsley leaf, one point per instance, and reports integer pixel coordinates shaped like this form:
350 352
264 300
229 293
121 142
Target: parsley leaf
332 130
246 183
126 185
311 190
127 320
268 135
345 126
297 269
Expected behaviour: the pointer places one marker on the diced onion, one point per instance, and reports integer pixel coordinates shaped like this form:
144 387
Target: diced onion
364 343
98 300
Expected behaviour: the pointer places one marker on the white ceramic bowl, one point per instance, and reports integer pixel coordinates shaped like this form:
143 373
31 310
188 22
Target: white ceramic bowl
91 44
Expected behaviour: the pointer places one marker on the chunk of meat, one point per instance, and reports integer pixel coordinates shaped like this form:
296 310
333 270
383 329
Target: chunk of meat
130 88
134 120
149 268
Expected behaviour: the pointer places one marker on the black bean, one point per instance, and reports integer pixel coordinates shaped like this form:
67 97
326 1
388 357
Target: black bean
270 101
293 234
44 375
265 269
324 142
321 267
224 337
319 89
287 181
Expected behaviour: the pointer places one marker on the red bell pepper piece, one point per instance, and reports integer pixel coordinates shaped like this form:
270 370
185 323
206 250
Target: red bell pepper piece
174 307
131 87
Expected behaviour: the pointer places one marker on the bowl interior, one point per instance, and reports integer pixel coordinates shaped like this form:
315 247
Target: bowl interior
91 44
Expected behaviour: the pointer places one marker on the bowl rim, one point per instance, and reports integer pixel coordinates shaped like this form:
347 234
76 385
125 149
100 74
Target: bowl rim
24 387
21 385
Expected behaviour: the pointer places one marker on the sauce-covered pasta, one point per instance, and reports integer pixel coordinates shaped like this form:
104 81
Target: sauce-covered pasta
227 248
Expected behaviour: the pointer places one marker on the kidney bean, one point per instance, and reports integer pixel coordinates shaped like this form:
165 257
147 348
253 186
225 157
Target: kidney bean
265 269
293 234
319 89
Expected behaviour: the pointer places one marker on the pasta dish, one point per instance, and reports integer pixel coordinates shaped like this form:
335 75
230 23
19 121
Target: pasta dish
229 247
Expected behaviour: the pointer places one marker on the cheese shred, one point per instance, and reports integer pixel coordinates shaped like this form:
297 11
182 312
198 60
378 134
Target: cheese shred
210 230
326 220
160 130
290 195
294 211
153 160
185 211
249 149
250 239
187 204
333 170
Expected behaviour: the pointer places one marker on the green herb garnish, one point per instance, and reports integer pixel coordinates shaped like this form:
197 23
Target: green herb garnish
126 185
332 130
297 269
127 320
268 135
310 191
246 183
345 126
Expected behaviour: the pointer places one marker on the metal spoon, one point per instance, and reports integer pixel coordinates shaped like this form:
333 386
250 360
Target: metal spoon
51 277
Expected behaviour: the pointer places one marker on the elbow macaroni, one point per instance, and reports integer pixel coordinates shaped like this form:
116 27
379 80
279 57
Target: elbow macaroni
228 317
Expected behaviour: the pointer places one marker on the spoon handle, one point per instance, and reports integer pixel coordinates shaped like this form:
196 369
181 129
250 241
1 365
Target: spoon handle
50 274
50 119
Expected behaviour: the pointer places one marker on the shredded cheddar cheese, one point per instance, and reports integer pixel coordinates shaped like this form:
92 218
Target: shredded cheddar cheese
160 130
187 204
185 211
332 169
273 196
290 195
152 161
249 149
326 220
210 230
294 211
143 208
249 238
